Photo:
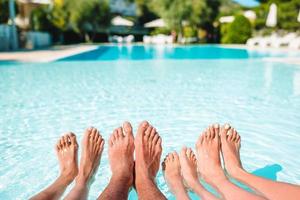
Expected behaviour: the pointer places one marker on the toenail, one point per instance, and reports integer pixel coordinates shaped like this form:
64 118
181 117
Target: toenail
227 126
216 125
145 123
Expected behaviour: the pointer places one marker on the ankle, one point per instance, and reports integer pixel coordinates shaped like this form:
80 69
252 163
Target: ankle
237 173
65 180
82 179
218 180
125 179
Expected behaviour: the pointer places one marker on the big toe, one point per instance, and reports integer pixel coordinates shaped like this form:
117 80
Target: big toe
224 130
127 129
142 128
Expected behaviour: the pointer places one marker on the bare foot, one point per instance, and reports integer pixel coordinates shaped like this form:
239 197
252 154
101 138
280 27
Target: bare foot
172 170
230 144
92 144
121 148
67 150
208 150
148 151
188 164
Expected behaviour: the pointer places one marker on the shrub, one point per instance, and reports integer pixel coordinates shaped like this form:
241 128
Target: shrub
189 32
238 32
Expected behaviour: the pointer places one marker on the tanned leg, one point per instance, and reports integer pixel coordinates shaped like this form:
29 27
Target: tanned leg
172 170
231 143
121 148
147 153
209 165
188 164
92 145
66 150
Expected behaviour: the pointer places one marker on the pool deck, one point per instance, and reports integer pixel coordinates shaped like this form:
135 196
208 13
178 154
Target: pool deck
58 52
45 55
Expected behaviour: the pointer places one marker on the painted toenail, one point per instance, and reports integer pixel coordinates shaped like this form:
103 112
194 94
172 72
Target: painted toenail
227 126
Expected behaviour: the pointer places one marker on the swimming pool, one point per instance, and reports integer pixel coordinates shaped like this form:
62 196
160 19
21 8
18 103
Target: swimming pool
39 102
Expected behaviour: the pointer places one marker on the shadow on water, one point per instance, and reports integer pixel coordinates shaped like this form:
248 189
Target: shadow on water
268 172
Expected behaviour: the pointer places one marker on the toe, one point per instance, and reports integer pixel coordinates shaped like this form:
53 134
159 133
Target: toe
148 131
101 146
230 135
158 146
61 141
116 134
238 137
175 156
87 133
152 134
234 134
212 132
217 129
224 130
207 135
200 140
93 133
57 147
66 142
183 151
142 128
73 138
188 152
127 129
120 132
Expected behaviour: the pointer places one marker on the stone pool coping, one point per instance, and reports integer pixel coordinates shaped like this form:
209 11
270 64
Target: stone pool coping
45 55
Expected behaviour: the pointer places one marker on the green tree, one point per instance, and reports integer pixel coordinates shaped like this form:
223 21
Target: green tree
90 17
238 32
286 16
177 12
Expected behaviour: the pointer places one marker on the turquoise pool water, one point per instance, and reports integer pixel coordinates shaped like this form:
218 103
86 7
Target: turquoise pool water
39 102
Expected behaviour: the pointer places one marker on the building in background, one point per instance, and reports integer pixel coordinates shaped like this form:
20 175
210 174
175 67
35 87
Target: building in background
25 8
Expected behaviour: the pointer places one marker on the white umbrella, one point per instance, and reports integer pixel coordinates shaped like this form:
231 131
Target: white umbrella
299 16
272 16
120 21
155 23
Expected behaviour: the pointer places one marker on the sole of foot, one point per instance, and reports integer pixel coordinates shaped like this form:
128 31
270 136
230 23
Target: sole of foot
208 153
188 164
92 144
230 148
148 151
172 172
121 148
67 153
